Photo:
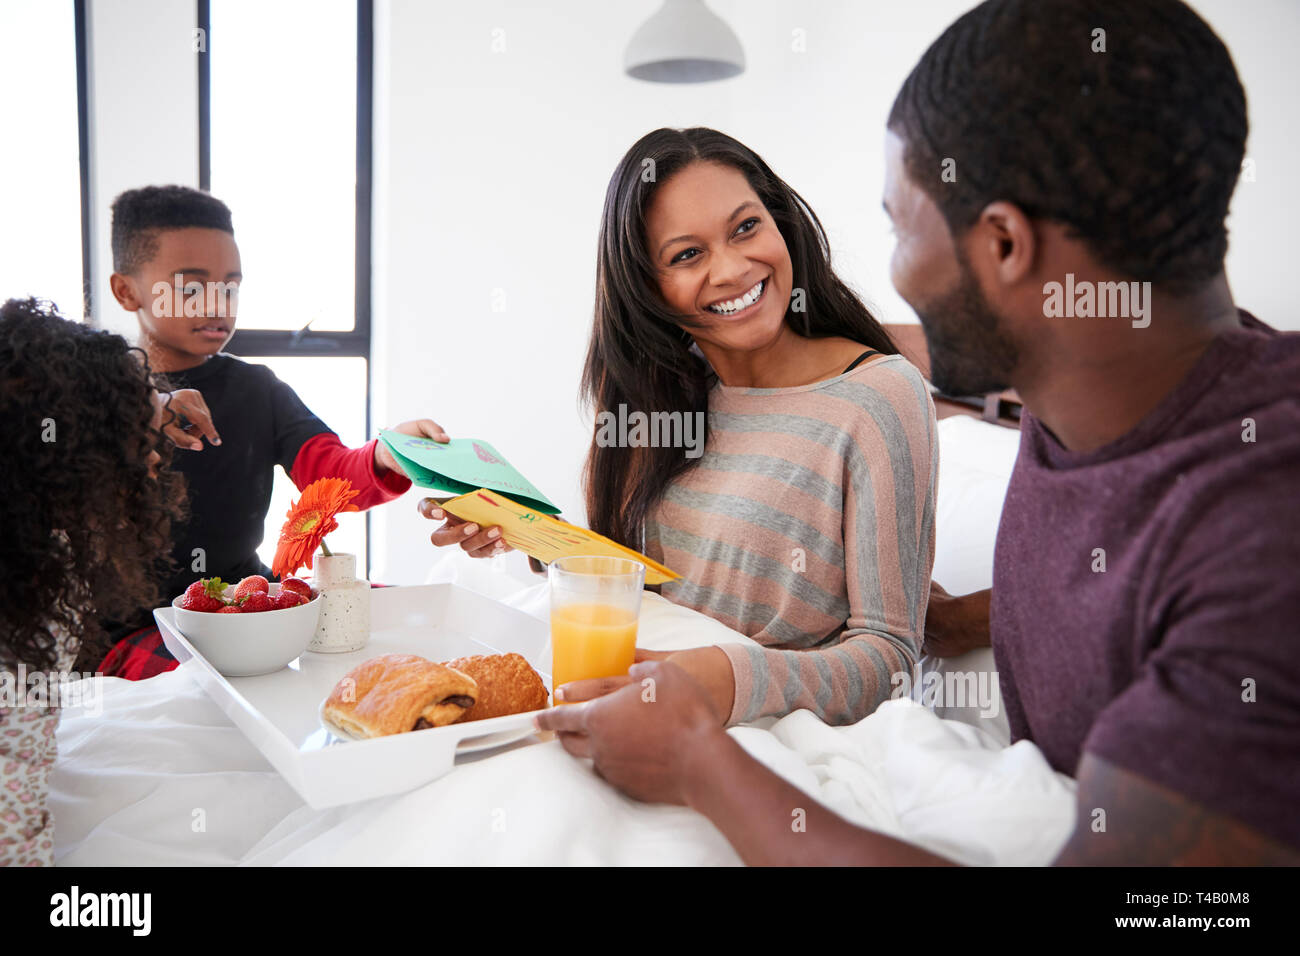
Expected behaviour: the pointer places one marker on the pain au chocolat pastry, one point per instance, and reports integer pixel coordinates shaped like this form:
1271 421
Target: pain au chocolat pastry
507 684
394 693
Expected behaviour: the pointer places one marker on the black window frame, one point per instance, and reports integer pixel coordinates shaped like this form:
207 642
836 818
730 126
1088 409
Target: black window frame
81 41
306 343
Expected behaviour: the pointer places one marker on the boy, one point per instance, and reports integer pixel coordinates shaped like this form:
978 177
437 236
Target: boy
251 420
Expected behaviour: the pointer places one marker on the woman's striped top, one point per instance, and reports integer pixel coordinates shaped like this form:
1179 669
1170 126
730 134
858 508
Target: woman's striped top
808 525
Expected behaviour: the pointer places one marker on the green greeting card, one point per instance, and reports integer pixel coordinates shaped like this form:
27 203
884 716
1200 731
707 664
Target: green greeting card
462 465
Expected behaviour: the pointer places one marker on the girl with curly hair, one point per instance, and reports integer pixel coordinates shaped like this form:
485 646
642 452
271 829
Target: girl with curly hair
87 508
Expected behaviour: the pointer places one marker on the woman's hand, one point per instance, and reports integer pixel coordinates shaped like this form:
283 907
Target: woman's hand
647 737
420 428
708 666
475 541
190 421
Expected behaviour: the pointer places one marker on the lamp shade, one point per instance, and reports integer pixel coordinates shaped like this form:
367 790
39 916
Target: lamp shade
684 42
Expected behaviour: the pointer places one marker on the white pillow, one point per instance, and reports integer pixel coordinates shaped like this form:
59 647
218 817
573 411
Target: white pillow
975 463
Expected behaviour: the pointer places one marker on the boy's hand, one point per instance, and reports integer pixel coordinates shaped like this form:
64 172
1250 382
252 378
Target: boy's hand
189 421
420 428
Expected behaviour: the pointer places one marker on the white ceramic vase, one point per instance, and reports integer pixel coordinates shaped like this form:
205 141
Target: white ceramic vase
344 623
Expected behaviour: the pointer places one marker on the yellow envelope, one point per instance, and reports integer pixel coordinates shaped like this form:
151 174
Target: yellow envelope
541 536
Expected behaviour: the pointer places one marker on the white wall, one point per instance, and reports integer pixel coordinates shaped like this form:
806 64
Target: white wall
1262 36
494 164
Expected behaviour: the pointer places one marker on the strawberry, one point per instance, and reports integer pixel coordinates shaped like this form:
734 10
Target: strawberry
298 585
287 599
257 601
253 584
204 595
231 609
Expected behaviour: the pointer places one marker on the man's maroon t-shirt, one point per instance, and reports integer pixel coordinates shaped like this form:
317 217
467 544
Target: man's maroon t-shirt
1180 661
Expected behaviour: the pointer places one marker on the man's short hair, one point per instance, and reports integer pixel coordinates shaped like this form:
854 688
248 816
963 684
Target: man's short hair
140 214
1137 149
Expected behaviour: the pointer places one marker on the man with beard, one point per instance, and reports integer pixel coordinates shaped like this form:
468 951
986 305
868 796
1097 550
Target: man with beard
1144 606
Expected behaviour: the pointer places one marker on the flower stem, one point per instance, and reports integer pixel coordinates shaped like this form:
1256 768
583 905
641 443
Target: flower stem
325 549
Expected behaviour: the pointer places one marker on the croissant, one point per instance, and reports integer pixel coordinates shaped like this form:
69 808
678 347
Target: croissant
507 685
395 693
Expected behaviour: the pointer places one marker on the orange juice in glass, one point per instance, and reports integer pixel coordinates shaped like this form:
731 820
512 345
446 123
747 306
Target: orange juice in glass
594 606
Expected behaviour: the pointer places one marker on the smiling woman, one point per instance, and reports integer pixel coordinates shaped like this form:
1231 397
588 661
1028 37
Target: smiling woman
808 522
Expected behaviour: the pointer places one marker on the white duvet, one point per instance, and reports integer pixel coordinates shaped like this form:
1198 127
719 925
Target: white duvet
162 777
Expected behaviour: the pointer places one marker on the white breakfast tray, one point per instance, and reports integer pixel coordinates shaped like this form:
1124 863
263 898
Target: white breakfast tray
280 712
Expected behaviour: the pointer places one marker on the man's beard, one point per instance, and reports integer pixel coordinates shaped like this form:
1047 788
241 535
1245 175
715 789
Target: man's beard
969 355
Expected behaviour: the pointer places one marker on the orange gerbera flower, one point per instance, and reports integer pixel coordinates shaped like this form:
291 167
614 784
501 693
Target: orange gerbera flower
310 518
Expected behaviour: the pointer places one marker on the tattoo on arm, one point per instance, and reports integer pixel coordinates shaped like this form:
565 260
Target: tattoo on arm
1126 820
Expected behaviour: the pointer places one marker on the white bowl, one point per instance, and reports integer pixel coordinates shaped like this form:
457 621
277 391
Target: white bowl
244 645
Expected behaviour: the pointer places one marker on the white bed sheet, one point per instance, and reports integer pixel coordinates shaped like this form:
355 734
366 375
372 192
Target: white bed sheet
163 778
160 776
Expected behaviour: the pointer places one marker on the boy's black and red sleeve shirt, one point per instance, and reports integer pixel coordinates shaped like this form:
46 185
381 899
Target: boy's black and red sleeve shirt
324 456
262 423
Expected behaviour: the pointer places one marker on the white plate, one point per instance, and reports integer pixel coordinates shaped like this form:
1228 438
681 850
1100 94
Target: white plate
280 712
467 745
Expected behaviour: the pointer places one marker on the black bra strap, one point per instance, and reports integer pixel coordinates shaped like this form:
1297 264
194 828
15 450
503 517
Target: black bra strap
858 361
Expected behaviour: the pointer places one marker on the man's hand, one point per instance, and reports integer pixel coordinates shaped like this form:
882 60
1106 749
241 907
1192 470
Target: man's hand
955 625
709 667
420 428
645 738
187 420
576 691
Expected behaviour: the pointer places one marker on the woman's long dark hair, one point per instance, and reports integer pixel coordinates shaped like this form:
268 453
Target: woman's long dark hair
640 352
84 523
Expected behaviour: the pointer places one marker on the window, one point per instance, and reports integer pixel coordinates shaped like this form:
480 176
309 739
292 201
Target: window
285 104
283 156
335 389
41 242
